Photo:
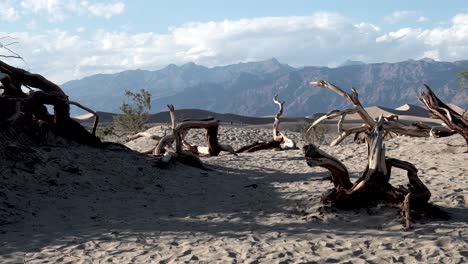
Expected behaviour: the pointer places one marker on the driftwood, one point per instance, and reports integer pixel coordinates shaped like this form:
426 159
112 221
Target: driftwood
456 122
391 123
373 186
32 105
183 148
279 141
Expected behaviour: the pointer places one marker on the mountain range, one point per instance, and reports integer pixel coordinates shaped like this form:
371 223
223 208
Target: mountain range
248 88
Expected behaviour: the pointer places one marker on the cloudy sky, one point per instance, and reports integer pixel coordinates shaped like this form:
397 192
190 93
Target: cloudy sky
70 39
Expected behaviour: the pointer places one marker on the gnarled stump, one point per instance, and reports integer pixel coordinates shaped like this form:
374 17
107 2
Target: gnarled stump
373 186
33 104
183 149
279 141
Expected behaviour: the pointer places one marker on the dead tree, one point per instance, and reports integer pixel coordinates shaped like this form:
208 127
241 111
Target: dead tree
182 147
12 79
373 186
279 141
391 123
455 121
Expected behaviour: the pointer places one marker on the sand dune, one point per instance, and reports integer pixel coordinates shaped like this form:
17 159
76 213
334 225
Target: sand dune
164 117
407 110
88 205
412 110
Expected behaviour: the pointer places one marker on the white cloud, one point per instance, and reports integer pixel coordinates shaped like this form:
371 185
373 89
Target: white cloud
401 15
422 19
398 16
104 10
443 43
8 12
58 10
53 8
397 35
318 39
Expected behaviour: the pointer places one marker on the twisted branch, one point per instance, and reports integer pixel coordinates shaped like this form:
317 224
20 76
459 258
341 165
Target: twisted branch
390 124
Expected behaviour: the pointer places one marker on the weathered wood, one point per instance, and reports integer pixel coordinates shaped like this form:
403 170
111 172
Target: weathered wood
180 130
392 123
373 186
455 121
280 141
339 173
31 79
256 146
33 104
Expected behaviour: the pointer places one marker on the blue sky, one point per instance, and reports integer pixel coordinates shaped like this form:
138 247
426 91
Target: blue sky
71 39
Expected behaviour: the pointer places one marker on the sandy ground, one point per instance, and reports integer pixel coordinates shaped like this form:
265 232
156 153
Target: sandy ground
86 205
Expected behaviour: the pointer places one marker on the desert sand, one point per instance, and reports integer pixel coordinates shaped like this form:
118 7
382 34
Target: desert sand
88 205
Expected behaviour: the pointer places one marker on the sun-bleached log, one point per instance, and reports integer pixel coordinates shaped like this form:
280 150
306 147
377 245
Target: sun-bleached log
456 122
279 141
211 127
180 131
143 134
392 123
373 186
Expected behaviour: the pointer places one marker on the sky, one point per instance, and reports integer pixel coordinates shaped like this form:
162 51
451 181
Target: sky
71 39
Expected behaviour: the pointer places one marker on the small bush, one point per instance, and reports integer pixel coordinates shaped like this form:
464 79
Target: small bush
105 131
462 77
135 115
316 136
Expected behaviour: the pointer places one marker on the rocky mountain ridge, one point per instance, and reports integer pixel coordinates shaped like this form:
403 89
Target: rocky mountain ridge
247 88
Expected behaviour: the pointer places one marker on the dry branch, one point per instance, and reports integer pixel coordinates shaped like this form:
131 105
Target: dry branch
373 186
279 141
456 122
183 148
391 124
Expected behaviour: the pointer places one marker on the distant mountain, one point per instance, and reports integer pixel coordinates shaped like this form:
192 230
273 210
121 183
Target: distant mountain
351 63
248 88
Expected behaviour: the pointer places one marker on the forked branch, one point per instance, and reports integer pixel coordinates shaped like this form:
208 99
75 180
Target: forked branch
390 124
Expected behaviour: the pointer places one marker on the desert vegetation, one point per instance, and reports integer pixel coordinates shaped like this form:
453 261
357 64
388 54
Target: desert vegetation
462 77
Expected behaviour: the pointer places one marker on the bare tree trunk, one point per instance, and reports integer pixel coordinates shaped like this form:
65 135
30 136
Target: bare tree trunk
373 186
